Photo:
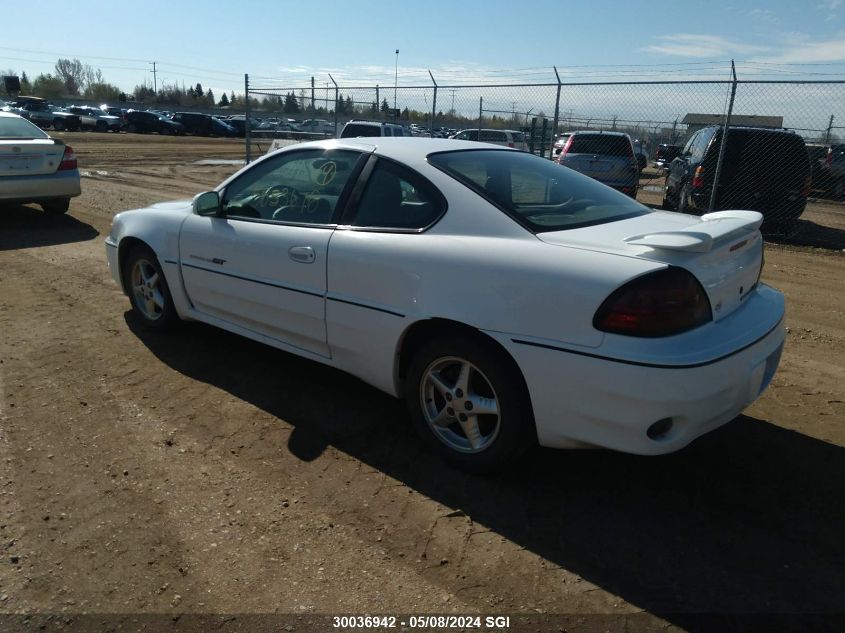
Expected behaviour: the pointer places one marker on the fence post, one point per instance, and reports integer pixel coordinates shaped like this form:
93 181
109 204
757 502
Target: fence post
557 114
723 144
433 107
378 104
247 136
829 128
480 106
336 96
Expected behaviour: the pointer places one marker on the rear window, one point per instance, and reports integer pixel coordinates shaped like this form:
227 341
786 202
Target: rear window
605 144
537 193
356 129
18 127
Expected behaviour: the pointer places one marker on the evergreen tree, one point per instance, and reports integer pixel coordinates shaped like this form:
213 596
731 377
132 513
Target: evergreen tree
224 101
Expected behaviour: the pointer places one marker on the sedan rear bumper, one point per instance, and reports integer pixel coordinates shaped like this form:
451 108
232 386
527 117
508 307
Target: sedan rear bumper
61 184
581 399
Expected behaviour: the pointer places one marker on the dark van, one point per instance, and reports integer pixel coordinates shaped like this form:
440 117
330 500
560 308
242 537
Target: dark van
763 170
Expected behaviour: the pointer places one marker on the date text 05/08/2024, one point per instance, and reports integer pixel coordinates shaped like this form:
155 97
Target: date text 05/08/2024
421 622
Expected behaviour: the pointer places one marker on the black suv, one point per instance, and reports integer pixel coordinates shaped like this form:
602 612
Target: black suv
203 124
665 155
763 170
137 121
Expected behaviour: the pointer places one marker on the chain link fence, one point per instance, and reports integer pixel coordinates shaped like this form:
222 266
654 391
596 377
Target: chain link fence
784 139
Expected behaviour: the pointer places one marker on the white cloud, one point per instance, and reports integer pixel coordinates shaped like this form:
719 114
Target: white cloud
701 46
807 52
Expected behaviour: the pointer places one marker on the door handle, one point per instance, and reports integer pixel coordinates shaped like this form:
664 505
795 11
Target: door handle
302 254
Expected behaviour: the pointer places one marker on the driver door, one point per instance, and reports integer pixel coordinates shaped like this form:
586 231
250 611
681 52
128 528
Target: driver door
261 264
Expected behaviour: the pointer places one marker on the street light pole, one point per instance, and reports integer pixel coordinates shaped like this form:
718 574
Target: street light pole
396 79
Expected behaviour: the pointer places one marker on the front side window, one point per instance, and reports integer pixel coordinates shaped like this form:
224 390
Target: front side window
537 193
302 187
398 198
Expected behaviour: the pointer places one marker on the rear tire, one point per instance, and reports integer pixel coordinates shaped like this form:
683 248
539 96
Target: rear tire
58 125
102 126
132 128
56 207
446 406
147 288
683 199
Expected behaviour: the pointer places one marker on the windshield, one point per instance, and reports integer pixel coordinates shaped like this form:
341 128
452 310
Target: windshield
16 127
537 193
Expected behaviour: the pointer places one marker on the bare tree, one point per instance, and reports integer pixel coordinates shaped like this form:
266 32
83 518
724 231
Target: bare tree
71 72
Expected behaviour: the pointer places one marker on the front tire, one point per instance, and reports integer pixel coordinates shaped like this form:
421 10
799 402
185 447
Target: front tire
102 126
58 125
468 402
147 287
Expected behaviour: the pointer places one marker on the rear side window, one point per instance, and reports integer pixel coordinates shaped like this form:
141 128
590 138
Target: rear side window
537 193
18 127
356 129
490 136
398 198
605 144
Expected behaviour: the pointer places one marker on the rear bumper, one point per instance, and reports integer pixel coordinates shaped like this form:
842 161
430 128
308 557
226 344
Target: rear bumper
580 399
61 184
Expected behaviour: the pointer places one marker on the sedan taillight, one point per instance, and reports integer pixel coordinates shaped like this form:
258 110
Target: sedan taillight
68 159
663 303
698 178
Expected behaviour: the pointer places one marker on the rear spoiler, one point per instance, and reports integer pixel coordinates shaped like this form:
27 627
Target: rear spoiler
701 237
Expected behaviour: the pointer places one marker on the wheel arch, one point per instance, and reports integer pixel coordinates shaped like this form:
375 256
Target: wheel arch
123 249
424 330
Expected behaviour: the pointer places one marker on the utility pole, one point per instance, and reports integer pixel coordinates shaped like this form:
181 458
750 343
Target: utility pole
396 79
829 128
155 83
453 102
312 95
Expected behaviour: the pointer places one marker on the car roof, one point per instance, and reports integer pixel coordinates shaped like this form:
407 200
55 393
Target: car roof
10 115
602 132
408 149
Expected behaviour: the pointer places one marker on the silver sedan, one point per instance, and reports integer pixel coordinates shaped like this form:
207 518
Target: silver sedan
34 167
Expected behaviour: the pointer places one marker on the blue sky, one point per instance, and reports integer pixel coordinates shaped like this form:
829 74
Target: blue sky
467 41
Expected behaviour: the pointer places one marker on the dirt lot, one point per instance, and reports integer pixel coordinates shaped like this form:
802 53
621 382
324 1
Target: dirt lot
199 472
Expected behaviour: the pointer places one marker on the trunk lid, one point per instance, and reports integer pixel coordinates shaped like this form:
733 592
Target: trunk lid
724 250
30 157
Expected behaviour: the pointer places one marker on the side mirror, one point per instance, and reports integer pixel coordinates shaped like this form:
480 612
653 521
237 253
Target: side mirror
207 203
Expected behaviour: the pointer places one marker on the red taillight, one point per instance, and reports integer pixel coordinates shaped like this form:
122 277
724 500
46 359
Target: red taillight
698 177
68 159
566 147
828 160
663 303
510 144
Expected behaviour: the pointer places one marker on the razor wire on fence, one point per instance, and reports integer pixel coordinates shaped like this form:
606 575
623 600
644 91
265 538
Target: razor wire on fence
738 137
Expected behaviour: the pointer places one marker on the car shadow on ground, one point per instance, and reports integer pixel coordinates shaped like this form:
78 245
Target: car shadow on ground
747 520
809 233
28 226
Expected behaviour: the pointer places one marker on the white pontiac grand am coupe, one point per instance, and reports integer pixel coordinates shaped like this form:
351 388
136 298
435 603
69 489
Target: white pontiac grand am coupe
509 300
